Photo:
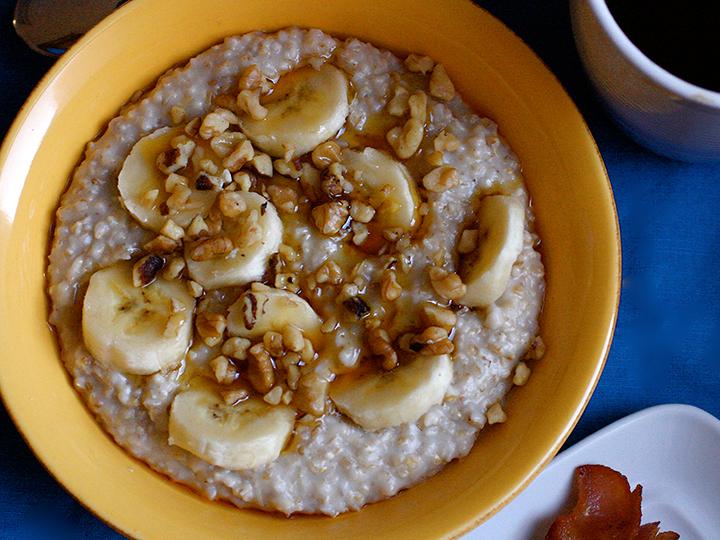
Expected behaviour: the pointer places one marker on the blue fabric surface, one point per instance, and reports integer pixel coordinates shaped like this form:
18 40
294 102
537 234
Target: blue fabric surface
668 335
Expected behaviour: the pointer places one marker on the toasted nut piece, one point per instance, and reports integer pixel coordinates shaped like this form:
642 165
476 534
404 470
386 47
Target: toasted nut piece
194 288
233 396
179 197
360 233
406 140
293 376
177 114
447 285
435 159
161 244
392 234
390 361
284 198
236 347
177 157
260 369
273 342
287 397
325 154
231 203
432 341
286 168
329 325
419 64
262 163
208 165
293 338
210 327
432 334
192 127
249 232
308 351
150 197
399 102
249 101
329 272
441 86
390 289
418 106
174 268
288 281
216 122
361 212
242 153
243 180
146 270
522 374
330 217
197 227
224 143
495 414
446 142
441 179
274 396
211 248
250 78
468 241
379 341
536 350
173 181
311 394
224 370
172 230
434 315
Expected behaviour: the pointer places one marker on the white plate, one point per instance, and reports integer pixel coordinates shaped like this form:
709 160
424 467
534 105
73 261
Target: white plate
672 450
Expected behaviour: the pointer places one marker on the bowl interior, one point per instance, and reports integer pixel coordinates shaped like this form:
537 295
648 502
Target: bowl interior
495 72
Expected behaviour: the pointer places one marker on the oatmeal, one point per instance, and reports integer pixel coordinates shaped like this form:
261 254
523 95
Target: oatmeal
298 274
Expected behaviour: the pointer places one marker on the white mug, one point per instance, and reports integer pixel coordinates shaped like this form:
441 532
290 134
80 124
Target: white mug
666 114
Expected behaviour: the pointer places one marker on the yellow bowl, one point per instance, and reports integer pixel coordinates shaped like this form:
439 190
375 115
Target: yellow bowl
495 72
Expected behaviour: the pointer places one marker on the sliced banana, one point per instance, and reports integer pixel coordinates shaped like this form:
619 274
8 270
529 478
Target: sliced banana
260 310
139 176
242 264
387 184
501 222
241 436
307 107
136 330
390 398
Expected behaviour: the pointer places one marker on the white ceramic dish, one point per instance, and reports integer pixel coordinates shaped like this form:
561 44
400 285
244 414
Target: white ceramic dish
659 110
672 450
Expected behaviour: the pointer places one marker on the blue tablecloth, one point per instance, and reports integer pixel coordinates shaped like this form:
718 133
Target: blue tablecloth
667 341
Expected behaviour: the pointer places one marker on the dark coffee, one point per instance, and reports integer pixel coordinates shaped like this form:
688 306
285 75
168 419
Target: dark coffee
681 36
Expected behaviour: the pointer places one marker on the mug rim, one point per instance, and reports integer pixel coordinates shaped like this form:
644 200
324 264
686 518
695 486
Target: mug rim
661 76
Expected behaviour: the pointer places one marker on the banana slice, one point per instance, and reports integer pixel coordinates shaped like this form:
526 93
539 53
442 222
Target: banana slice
139 176
501 222
307 107
387 184
242 264
136 330
240 436
380 400
260 310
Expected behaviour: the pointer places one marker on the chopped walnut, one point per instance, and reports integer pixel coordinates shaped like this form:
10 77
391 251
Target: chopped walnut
329 272
398 104
262 163
468 241
392 234
179 197
446 142
441 86
432 341
435 158
216 122
330 217
243 180
177 157
308 351
208 166
286 168
434 315
390 289
236 347
311 394
224 370
293 376
536 350
440 179
418 106
197 227
172 230
250 232
194 288
447 285
329 325
192 127
173 181
284 198
210 327
293 338
146 270
260 369
495 414
174 268
360 233
150 197
249 101
224 143
231 203
177 114
325 154
406 140
242 153
211 248
379 342
250 78
273 342
419 64
288 281
161 244
274 396
233 396
521 375
359 211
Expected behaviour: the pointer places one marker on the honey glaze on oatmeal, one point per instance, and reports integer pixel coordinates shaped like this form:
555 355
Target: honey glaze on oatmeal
352 248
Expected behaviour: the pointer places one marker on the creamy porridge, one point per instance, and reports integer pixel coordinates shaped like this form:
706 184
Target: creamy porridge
298 274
